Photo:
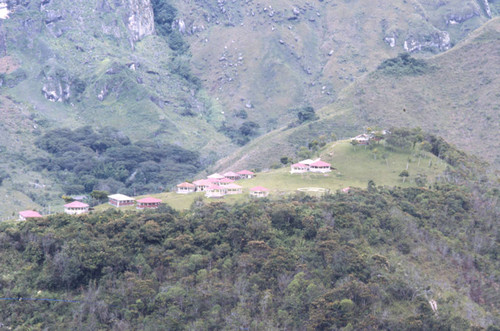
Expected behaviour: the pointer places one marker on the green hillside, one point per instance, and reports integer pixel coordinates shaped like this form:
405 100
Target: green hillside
453 95
210 76
354 167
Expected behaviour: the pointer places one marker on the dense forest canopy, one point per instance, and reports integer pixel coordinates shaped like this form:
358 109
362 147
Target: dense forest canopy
370 259
85 160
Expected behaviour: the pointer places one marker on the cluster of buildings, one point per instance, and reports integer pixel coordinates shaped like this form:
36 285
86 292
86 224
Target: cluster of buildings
217 185
310 166
117 200
214 186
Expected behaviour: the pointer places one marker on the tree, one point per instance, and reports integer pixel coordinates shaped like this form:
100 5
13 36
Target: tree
67 198
371 186
306 114
404 174
284 160
99 195
354 143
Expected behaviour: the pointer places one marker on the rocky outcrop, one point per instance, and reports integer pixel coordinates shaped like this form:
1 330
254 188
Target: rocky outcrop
436 41
59 86
140 19
486 7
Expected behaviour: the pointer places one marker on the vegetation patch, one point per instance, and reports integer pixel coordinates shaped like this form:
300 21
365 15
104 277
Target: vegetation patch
404 65
84 160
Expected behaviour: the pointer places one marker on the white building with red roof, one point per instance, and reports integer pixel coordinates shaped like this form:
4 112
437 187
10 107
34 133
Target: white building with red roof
320 166
233 189
76 208
232 175
215 191
120 200
216 176
299 168
201 184
25 214
246 174
259 192
148 203
186 188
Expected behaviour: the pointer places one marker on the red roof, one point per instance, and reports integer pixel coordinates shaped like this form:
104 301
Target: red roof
149 200
214 187
76 204
29 214
225 180
299 165
245 172
213 180
231 174
202 182
259 189
320 164
186 184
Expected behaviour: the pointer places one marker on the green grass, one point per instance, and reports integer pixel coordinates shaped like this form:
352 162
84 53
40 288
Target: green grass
354 168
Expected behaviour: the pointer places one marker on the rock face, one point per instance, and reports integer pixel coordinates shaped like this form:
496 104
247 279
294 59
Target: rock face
140 19
437 41
59 86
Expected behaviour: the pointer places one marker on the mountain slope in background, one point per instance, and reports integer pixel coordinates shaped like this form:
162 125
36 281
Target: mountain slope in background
204 75
454 94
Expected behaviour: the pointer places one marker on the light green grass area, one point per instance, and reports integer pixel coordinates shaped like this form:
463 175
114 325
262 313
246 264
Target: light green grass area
354 167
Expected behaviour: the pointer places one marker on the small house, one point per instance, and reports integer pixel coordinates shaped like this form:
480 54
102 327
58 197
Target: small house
76 208
259 192
232 175
148 203
186 188
215 191
120 200
233 189
25 214
201 184
320 166
299 168
246 174
363 139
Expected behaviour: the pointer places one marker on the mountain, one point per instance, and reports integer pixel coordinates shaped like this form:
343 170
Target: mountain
206 76
453 94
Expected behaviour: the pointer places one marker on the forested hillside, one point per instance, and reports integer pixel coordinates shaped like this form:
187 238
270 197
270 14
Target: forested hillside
368 259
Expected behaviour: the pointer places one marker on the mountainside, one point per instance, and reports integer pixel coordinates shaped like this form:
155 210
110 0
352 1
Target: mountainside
205 76
270 59
454 94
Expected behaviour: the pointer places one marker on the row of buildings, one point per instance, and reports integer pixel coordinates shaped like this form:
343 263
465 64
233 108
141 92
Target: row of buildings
217 185
117 200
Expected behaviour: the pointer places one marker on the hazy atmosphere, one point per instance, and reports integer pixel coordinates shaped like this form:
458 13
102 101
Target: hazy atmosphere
249 165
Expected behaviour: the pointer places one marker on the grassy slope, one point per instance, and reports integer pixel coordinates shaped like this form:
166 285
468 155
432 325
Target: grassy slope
457 99
354 167
278 64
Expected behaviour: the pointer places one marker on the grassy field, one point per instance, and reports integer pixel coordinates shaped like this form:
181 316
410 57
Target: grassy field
354 167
